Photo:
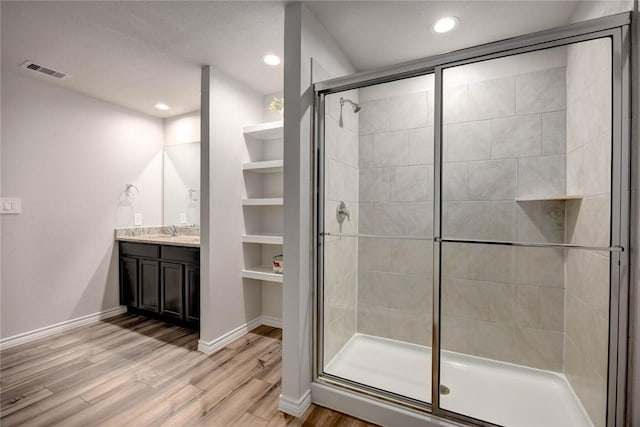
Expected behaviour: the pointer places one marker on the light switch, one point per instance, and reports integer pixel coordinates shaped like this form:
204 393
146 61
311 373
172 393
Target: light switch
11 205
137 219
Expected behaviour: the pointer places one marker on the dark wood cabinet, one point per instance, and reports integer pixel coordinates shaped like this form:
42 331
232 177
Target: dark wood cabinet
128 281
193 293
172 284
161 281
149 295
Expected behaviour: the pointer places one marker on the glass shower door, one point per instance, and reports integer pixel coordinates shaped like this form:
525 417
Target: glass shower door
376 238
526 173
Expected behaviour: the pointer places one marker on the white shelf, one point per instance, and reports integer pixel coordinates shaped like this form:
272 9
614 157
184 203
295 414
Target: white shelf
267 239
550 198
262 272
274 201
269 166
265 131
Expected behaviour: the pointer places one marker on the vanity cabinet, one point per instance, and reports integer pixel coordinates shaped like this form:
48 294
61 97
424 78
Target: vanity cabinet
161 281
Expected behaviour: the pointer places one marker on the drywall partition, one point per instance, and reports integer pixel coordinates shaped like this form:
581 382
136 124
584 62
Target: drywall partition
69 157
305 40
228 304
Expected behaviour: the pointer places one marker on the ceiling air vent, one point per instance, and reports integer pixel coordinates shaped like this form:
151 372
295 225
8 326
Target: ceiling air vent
29 65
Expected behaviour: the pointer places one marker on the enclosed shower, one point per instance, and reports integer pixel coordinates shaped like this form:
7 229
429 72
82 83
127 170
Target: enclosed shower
483 231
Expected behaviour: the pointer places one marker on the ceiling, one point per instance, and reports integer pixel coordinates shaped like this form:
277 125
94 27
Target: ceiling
138 53
381 33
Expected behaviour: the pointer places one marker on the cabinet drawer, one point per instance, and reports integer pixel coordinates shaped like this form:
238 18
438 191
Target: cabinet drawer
176 253
139 249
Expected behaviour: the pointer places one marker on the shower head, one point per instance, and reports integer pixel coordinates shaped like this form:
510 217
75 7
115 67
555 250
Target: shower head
356 108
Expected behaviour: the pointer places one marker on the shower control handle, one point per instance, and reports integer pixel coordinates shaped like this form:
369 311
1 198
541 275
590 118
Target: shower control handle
342 212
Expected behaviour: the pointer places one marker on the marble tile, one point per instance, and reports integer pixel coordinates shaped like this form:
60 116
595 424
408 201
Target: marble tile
552 309
455 103
575 165
419 217
408 111
455 181
470 220
466 298
492 263
538 348
373 320
528 306
517 136
421 146
502 303
541 91
414 328
339 328
468 141
492 180
365 151
391 219
554 133
412 257
541 176
348 147
366 217
492 98
375 185
374 254
480 338
455 261
541 267
331 138
411 183
504 220
596 172
374 116
391 149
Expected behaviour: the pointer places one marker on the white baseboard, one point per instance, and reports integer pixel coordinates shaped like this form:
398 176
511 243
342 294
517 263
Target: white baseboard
220 342
26 337
295 407
274 322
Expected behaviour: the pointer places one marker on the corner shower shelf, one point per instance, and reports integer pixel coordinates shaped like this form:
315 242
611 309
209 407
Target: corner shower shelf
269 166
267 239
274 201
262 272
550 198
265 131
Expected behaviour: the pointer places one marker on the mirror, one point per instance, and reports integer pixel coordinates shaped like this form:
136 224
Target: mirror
181 180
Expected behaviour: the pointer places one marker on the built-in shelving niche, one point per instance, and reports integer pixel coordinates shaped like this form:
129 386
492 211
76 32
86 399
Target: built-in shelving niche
263 205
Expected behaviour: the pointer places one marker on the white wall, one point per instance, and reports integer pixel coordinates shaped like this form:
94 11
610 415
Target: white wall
305 39
227 302
69 157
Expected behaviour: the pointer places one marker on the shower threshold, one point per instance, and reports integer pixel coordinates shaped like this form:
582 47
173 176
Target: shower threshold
499 392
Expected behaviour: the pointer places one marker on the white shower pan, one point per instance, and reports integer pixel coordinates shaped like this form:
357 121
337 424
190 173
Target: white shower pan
498 392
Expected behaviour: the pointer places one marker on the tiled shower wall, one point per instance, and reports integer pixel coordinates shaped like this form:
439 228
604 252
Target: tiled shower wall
504 140
341 182
396 199
588 173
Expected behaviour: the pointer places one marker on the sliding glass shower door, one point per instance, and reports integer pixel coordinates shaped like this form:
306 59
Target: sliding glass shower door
377 241
471 227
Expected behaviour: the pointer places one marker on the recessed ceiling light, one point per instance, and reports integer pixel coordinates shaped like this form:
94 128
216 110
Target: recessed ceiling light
271 59
445 24
161 106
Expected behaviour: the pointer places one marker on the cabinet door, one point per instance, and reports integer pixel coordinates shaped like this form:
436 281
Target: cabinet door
193 293
129 281
149 285
172 283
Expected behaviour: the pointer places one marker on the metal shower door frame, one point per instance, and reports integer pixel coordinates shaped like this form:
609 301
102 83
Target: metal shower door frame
614 27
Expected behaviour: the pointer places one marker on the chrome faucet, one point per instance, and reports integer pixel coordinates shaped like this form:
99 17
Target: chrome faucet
174 232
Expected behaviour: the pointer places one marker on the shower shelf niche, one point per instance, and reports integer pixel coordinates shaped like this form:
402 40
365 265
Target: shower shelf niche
558 197
262 272
263 238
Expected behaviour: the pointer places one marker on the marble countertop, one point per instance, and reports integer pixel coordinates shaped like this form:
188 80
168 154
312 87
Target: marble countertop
187 236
